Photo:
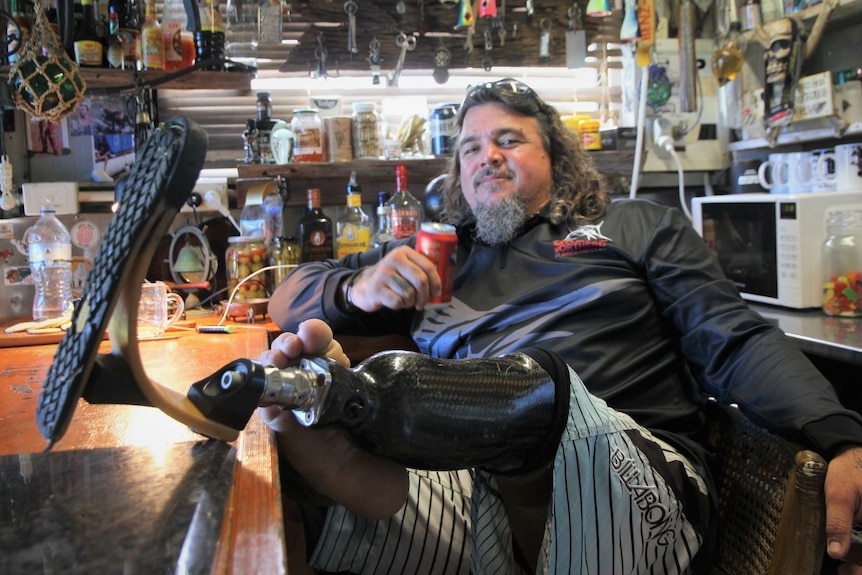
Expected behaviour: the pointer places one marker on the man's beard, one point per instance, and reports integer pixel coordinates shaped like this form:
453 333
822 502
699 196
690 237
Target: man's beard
498 222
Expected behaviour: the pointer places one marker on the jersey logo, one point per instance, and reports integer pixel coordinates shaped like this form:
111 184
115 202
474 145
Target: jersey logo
583 239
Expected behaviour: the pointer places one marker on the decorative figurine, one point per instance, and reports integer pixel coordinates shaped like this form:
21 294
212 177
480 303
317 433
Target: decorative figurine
788 44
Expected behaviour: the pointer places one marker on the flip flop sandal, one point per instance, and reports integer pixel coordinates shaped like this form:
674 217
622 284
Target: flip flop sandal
161 179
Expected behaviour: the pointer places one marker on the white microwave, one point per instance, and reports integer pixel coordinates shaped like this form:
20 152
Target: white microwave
769 245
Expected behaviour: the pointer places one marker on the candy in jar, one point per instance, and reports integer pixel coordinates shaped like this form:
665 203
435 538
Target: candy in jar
842 263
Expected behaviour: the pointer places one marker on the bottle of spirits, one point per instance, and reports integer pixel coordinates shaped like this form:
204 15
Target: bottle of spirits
174 21
89 46
130 35
315 231
115 41
353 229
406 211
384 231
152 46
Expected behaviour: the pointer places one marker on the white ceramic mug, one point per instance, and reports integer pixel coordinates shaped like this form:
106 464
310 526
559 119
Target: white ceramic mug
800 172
773 174
824 170
847 159
154 315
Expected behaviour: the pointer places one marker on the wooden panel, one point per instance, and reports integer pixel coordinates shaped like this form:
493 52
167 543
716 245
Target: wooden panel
380 20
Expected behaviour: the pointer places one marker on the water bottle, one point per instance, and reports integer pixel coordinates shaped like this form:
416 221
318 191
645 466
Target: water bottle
49 246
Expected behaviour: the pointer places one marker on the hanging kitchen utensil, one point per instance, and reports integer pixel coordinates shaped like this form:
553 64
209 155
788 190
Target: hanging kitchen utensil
442 58
44 81
576 39
374 60
545 38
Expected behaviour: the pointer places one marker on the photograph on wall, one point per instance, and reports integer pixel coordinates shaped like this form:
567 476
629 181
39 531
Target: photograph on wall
107 121
47 138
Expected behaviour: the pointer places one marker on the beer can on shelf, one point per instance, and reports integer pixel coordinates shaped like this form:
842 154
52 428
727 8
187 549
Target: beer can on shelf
444 128
440 244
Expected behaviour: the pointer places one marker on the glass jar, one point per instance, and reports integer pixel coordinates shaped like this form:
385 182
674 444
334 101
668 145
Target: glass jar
366 138
842 262
308 136
283 252
244 256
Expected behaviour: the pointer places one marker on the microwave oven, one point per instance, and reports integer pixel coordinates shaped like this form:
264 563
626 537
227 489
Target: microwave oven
769 245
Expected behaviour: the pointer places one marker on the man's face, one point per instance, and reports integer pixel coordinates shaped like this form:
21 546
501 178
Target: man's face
502 157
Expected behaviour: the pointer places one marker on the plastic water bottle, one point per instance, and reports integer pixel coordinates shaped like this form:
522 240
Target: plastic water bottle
49 246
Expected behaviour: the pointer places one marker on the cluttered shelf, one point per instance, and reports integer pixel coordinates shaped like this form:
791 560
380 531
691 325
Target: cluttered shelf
119 80
330 177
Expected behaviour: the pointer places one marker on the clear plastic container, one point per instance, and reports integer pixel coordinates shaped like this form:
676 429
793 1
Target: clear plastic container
842 262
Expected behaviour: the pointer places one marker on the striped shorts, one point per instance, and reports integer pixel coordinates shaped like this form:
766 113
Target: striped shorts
615 509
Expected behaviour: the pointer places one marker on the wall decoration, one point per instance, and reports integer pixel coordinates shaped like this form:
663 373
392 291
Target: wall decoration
46 137
107 120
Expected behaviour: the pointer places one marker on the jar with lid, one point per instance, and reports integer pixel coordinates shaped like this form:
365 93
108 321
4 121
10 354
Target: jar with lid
308 136
842 262
366 137
246 255
284 251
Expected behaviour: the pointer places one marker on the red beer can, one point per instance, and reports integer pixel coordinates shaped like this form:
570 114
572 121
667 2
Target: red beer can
440 244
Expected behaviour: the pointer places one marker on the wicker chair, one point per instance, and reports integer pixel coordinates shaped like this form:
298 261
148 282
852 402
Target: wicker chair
771 503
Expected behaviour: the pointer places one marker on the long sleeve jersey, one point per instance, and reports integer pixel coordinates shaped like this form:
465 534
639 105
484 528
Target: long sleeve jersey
635 302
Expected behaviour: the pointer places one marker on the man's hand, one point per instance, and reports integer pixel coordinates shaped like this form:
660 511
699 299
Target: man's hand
843 508
404 278
326 457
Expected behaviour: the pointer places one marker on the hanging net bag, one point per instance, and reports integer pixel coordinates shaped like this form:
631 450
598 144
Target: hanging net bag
44 81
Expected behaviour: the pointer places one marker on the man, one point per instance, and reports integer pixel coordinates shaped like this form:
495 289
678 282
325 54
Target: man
633 301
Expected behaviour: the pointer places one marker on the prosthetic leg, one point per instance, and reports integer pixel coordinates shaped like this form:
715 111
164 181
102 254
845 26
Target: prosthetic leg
503 415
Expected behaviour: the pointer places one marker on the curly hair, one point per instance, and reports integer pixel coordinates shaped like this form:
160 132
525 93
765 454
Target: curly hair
579 189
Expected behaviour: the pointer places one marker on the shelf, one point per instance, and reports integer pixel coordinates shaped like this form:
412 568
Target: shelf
110 79
801 132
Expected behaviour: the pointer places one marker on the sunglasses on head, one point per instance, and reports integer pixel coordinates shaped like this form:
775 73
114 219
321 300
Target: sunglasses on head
509 85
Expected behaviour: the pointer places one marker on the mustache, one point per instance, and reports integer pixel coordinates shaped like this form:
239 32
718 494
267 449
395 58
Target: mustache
492 172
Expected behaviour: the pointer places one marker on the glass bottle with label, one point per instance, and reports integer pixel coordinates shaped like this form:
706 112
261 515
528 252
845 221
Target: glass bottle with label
174 21
406 211
384 230
152 46
353 229
308 137
89 46
315 231
842 263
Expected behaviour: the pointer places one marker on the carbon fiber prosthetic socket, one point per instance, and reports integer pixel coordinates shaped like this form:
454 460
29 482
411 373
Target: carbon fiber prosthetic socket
504 415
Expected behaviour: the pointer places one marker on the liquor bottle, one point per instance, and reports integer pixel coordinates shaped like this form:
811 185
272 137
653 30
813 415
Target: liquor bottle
384 231
89 46
353 229
174 21
130 34
406 211
315 231
116 58
152 47
49 247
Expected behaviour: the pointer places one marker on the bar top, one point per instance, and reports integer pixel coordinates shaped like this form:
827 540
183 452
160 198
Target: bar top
134 481
838 338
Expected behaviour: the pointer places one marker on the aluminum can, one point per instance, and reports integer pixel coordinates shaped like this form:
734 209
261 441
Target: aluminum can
440 244
444 128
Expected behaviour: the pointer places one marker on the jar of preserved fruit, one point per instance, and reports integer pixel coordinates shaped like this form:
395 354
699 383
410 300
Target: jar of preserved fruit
842 262
283 252
308 136
366 138
246 255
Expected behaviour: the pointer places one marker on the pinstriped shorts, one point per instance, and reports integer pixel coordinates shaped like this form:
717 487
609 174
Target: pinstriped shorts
614 510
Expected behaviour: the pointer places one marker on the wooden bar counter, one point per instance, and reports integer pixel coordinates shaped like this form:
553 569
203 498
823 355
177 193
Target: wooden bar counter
136 471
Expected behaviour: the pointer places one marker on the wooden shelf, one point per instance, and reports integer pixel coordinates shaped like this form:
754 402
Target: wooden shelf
375 175
110 79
